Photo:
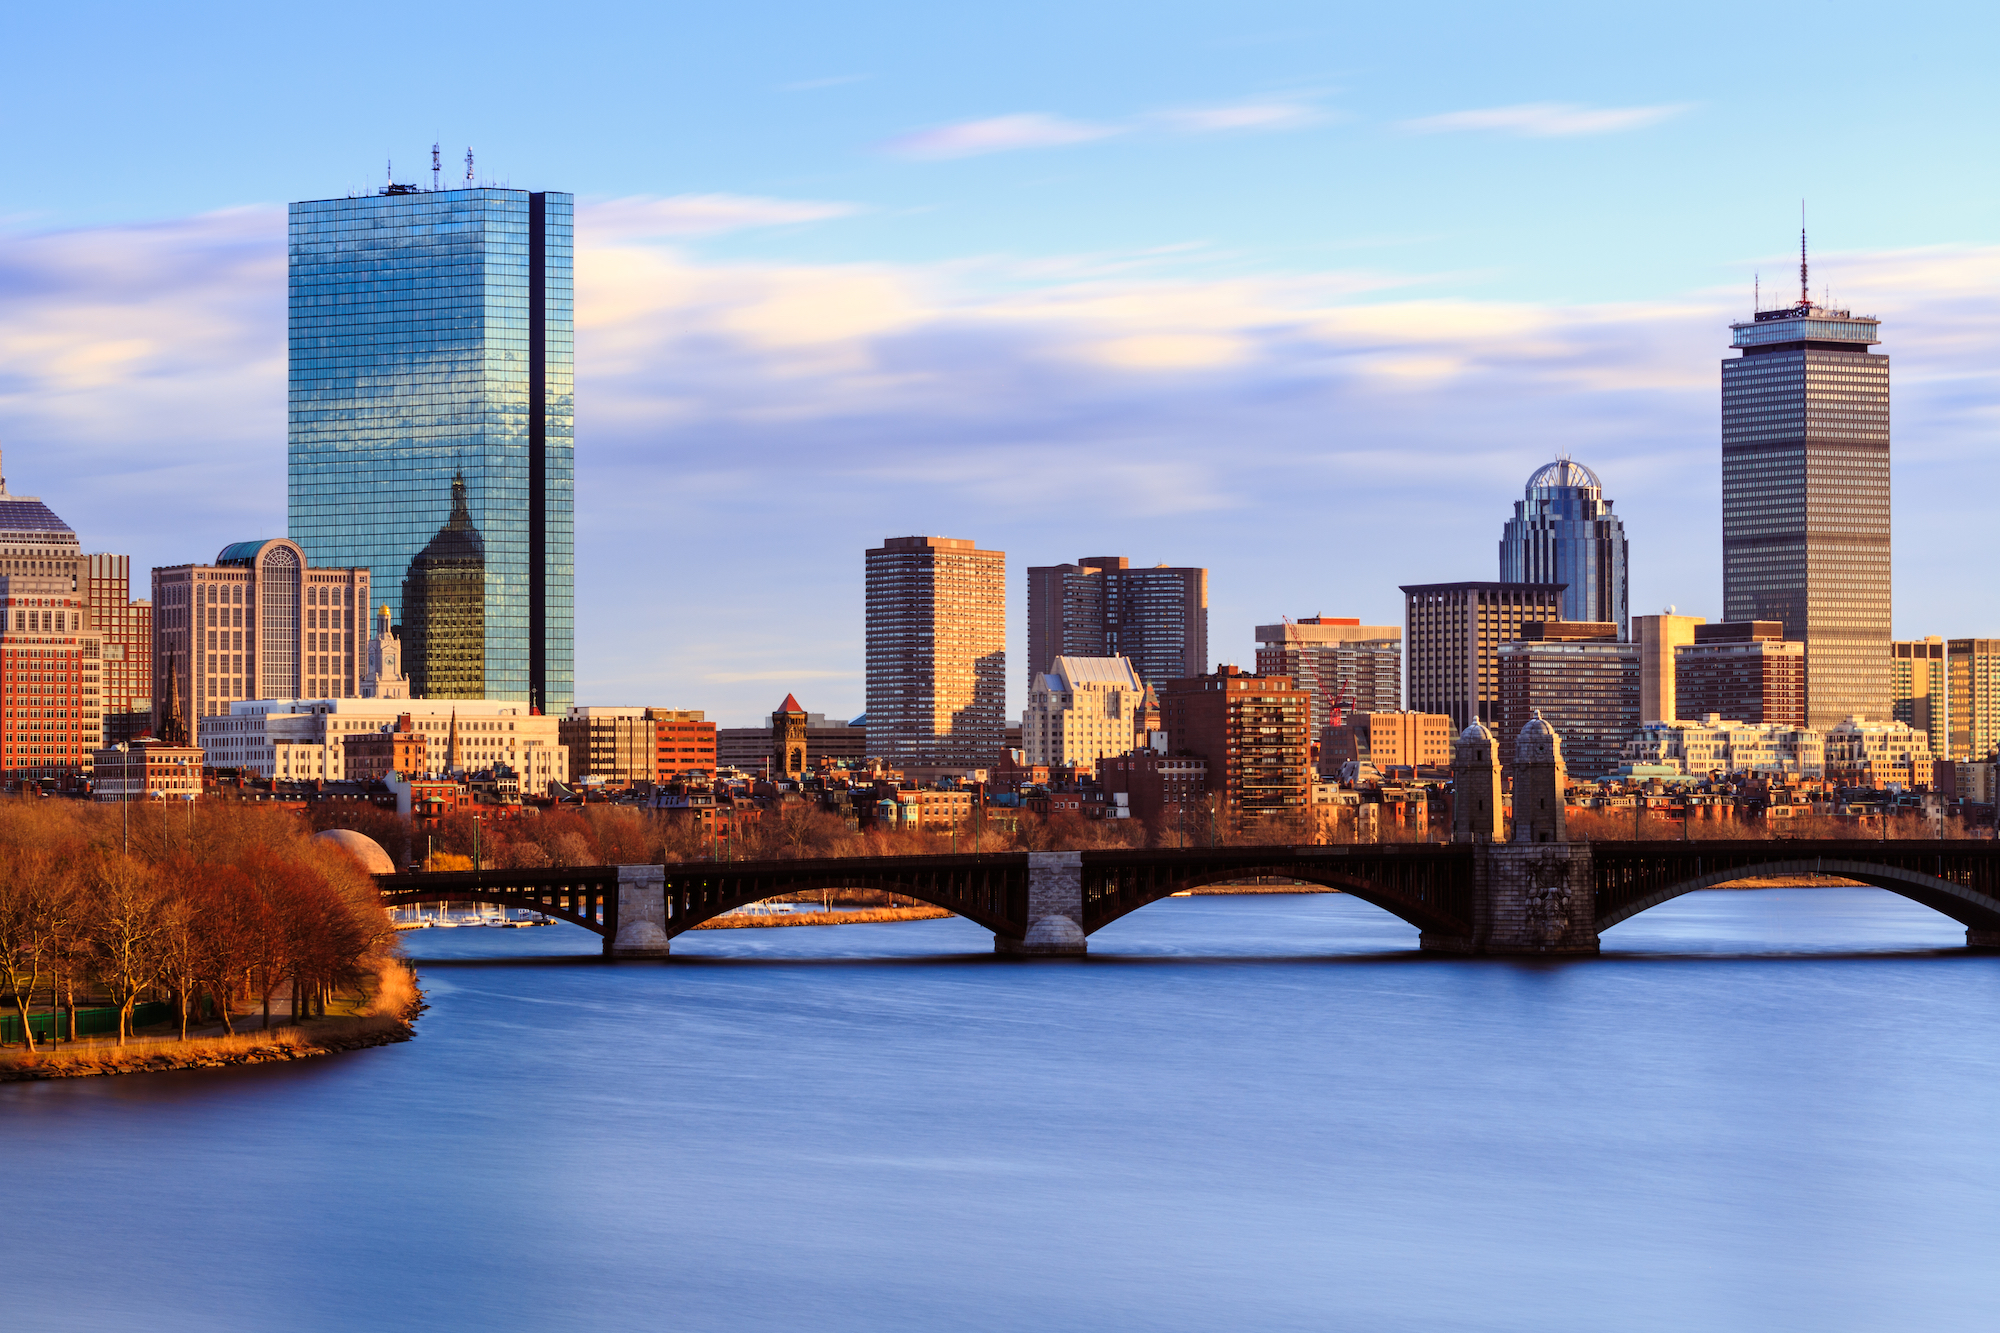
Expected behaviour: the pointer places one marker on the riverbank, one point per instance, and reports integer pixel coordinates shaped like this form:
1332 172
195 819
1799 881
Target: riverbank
755 920
387 1015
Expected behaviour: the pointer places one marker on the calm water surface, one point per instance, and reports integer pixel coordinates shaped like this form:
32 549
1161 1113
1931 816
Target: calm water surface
1767 1110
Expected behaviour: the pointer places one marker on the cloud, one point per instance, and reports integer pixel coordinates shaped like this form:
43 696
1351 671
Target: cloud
745 430
1546 119
644 217
998 134
1243 116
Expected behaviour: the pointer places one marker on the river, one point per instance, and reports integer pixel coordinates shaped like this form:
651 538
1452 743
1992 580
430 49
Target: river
1760 1110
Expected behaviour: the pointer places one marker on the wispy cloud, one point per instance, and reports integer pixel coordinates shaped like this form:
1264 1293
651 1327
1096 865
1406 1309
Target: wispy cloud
1544 120
999 134
642 217
1274 115
834 81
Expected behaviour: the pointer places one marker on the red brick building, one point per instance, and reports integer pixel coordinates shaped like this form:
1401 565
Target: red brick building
1252 730
371 756
1743 671
1167 792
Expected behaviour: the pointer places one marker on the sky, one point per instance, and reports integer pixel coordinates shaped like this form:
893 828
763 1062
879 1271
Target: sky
1299 292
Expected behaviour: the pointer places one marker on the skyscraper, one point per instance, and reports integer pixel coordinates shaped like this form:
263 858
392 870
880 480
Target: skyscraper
49 699
432 374
1102 607
1805 496
1452 634
1343 665
1563 531
127 627
937 653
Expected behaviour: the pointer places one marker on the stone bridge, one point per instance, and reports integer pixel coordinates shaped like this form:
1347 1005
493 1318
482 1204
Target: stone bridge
1468 898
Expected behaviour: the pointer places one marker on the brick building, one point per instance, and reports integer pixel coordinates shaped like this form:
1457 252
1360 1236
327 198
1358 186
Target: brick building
1167 792
1346 666
371 756
1579 678
1744 671
1387 740
1252 731
126 628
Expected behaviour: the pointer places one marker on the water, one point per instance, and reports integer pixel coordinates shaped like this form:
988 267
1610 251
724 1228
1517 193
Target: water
1766 1110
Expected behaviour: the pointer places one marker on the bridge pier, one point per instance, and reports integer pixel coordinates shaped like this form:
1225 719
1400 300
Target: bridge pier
1055 908
642 914
1982 939
1528 898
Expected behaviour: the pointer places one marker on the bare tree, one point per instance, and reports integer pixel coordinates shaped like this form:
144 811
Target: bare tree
36 904
124 929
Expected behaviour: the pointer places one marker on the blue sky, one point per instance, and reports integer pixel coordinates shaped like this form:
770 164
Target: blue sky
1299 292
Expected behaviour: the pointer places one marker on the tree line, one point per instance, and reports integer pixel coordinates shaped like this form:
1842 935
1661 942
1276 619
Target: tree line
219 908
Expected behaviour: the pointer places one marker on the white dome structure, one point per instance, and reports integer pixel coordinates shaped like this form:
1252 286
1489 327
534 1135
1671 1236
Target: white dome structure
361 847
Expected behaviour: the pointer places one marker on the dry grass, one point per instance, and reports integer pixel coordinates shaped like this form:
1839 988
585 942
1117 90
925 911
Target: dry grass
745 921
385 1016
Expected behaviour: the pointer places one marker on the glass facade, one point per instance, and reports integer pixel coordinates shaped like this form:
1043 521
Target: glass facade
1805 499
431 411
1564 532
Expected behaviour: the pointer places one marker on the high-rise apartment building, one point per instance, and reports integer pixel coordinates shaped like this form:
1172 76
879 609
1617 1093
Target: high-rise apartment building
432 401
1805 497
1452 634
1082 711
1742 673
1252 731
1973 668
1342 664
1564 532
1581 679
936 653
1103 607
259 623
1386 740
1919 690
126 627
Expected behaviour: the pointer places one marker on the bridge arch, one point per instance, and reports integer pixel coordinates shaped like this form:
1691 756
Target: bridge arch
694 899
1977 912
1428 887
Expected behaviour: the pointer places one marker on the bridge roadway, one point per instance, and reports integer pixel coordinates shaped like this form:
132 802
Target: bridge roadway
1501 898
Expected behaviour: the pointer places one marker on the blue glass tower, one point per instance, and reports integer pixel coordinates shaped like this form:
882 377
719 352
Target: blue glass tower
1564 532
432 402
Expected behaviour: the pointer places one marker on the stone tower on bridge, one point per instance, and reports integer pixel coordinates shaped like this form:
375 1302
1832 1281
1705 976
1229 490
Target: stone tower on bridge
1477 813
1539 780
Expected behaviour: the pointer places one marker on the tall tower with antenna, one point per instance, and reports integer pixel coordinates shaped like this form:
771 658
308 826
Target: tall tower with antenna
1805 495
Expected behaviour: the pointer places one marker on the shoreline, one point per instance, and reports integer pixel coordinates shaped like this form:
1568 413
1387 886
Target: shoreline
391 1018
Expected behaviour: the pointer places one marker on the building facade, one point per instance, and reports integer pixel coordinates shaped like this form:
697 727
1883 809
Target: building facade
1252 732
1656 638
1860 753
1167 792
1920 689
788 741
398 748
1805 497
382 677
1344 665
1101 606
1452 634
1580 679
126 628
259 623
1715 744
51 687
147 770
308 737
1746 672
1081 711
1972 729
829 744
936 653
431 410
1564 532
1386 740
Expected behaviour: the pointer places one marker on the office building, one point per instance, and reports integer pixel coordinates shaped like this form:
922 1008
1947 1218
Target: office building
126 628
1715 744
1564 532
1920 691
431 409
1343 665
936 654
685 744
1386 740
1103 607
307 738
1580 679
51 688
1081 711
624 745
1657 637
259 623
1805 497
1252 731
1973 672
1452 634
1746 672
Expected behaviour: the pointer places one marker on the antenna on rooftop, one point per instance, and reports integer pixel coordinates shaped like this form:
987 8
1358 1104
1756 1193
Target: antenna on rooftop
435 167
1756 292
1805 295
389 171
468 167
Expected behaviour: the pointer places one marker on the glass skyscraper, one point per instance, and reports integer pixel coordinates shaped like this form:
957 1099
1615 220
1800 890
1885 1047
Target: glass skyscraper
432 401
1563 531
1805 498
